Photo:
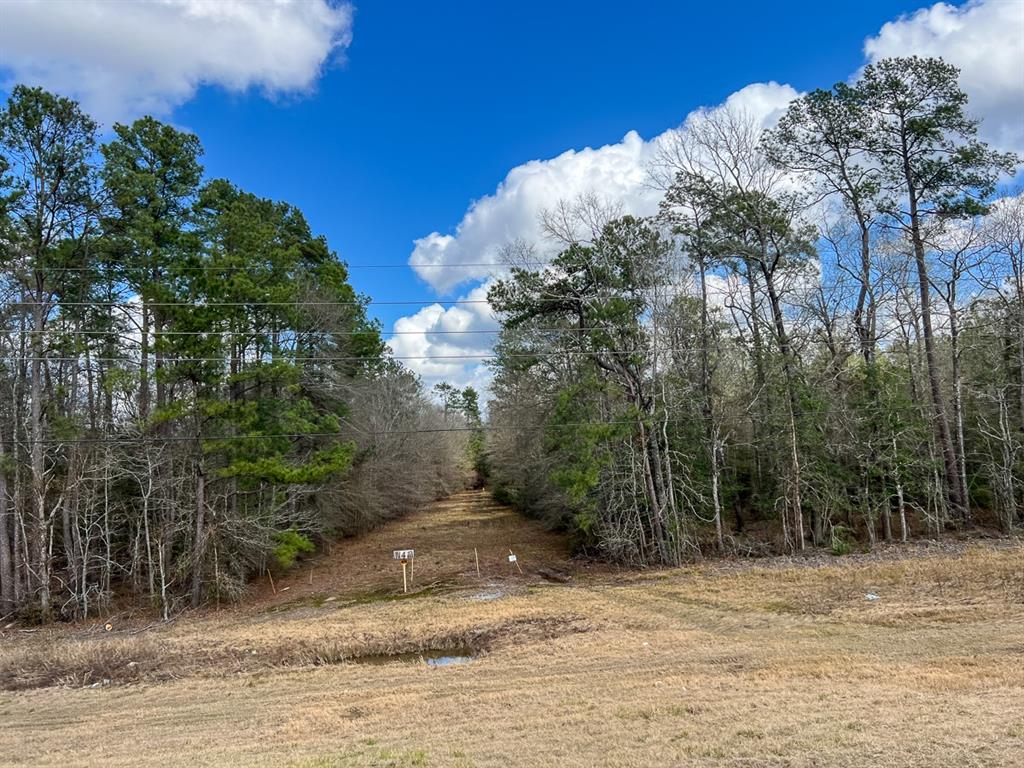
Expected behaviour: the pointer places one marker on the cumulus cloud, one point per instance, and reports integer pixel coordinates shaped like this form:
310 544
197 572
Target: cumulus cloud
617 172
448 343
986 41
122 60
983 38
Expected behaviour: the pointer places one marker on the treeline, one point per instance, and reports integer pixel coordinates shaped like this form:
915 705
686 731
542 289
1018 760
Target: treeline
819 338
190 389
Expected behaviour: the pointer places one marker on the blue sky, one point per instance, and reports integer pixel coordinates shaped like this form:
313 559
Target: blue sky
434 105
391 121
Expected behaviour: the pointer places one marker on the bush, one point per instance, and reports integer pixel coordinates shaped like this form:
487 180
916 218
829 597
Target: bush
501 494
289 544
842 540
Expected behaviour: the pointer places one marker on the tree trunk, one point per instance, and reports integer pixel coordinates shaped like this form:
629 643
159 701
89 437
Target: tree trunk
958 413
904 533
715 495
199 544
40 518
144 367
6 555
794 406
864 312
711 428
760 382
69 511
1020 364
652 472
951 465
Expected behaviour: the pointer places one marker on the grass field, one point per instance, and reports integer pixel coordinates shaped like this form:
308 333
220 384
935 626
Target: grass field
758 663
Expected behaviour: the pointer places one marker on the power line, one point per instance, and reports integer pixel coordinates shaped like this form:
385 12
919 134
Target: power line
356 358
265 332
296 435
965 337
121 439
327 332
347 303
284 355
216 304
308 271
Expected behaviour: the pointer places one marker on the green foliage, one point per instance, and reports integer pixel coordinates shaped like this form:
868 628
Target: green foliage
842 541
315 467
47 185
924 141
467 404
152 173
288 545
625 399
580 443
477 447
198 345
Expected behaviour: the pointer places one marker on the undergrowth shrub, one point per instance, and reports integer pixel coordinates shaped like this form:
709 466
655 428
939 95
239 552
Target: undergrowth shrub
842 540
288 546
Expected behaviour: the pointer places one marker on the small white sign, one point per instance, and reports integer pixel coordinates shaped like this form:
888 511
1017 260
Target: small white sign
404 554
512 558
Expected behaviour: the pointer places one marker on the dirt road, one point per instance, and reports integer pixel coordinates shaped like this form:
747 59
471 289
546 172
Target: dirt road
448 537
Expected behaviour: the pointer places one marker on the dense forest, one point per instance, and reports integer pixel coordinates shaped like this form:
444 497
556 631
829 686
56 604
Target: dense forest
190 389
818 341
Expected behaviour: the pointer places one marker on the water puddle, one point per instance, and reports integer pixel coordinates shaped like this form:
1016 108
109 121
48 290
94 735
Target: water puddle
448 661
492 592
495 594
433 657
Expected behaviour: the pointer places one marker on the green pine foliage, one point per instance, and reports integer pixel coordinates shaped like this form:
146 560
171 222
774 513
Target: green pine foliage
288 545
200 374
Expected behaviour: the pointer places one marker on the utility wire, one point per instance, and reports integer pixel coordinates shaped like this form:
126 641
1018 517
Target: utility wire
418 431
215 304
283 356
326 332
307 270
356 358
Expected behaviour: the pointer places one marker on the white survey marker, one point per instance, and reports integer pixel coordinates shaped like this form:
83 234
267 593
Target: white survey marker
403 554
512 558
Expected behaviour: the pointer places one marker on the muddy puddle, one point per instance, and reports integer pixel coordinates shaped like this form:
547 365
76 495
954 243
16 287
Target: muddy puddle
493 594
433 657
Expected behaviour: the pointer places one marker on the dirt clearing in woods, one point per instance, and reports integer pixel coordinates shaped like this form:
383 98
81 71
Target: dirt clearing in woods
444 536
770 664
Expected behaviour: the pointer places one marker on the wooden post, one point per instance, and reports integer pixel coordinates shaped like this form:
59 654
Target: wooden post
311 575
271 581
404 556
514 559
412 568
476 556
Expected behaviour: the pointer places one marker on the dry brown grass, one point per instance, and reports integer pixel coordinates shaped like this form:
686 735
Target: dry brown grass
700 666
444 536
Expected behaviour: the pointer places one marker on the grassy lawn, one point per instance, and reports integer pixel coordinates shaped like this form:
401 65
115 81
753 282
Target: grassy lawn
774 663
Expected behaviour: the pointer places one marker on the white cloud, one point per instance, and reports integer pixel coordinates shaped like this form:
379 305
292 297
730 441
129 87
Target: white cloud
125 59
617 172
462 332
986 41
